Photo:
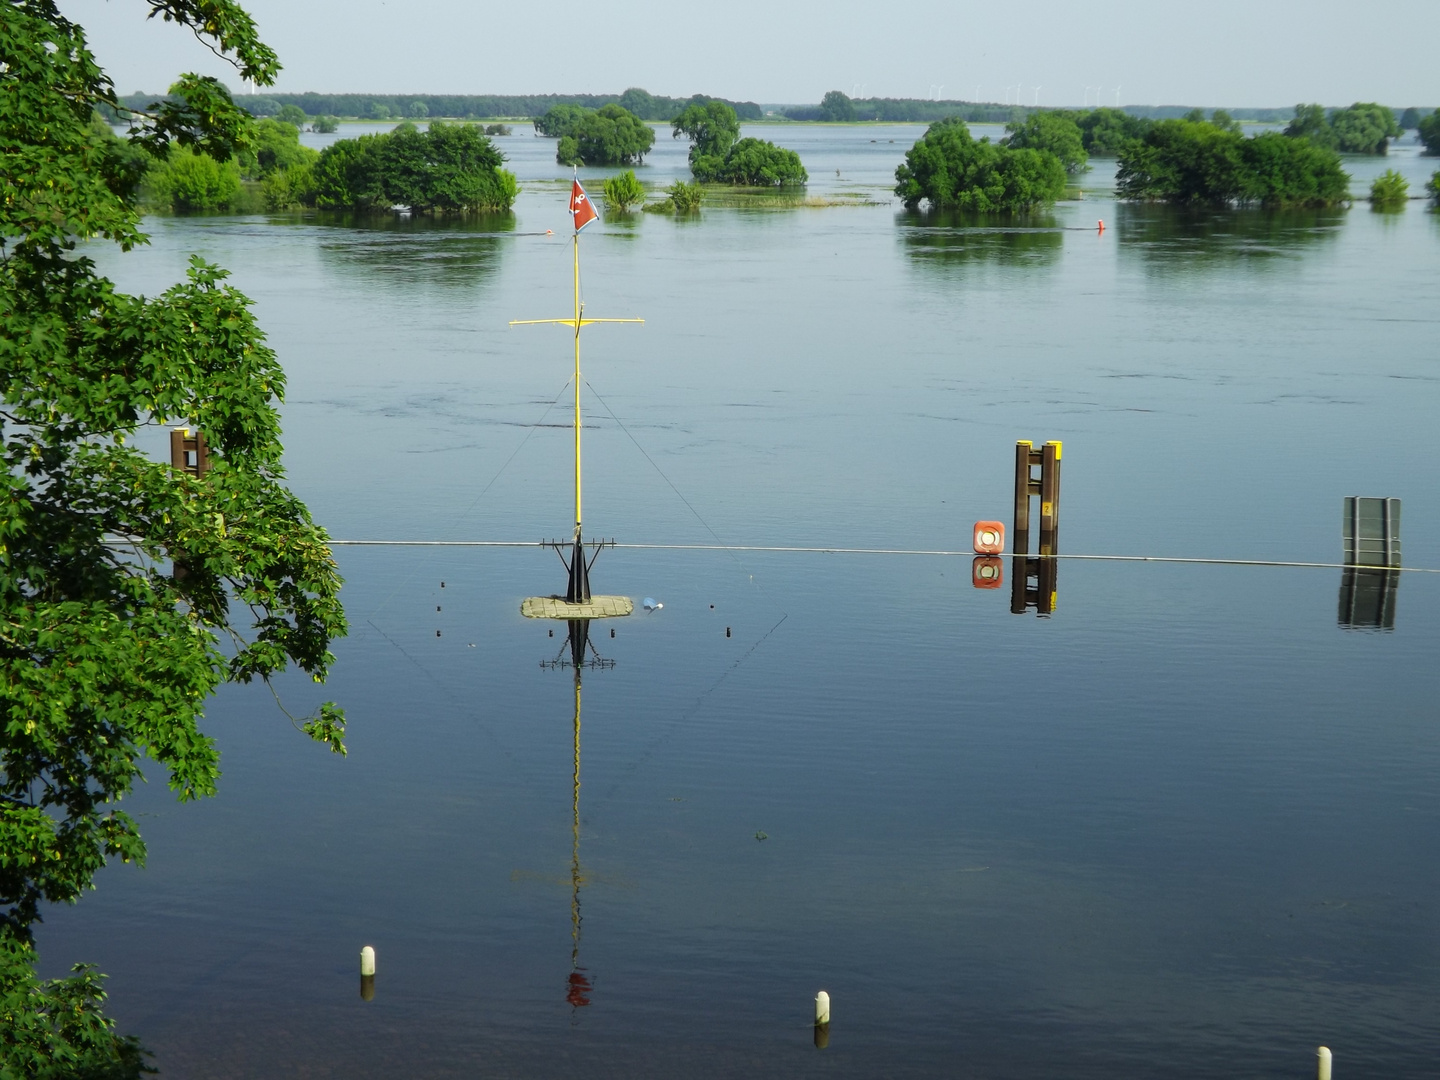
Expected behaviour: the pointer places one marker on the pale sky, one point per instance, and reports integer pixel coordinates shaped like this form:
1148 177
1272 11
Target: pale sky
1223 53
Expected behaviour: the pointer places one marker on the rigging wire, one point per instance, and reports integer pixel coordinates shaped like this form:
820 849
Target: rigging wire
931 552
514 454
719 544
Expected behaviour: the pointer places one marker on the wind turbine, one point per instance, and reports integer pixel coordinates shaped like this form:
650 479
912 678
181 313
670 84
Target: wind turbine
1117 97
977 91
939 90
1037 90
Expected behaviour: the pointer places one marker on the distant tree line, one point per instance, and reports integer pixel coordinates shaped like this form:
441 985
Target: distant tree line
459 106
838 107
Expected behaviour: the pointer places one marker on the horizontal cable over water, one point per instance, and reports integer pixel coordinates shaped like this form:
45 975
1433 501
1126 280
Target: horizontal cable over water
883 551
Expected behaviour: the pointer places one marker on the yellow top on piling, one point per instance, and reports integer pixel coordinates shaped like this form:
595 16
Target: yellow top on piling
557 607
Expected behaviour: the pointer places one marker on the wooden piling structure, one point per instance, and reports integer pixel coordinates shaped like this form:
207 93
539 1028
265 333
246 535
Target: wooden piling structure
189 453
1033 578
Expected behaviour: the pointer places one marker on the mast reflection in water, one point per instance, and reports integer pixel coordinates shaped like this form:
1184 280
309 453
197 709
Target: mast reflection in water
582 655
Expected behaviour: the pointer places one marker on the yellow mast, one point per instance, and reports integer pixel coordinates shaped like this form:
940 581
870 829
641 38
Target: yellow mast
576 321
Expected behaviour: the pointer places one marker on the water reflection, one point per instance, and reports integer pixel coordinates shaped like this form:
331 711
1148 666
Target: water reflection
1367 598
420 249
581 655
1171 238
950 239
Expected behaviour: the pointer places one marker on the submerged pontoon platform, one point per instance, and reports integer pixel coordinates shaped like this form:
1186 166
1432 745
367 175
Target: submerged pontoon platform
557 607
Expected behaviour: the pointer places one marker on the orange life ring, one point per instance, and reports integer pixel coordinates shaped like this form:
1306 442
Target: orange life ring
989 538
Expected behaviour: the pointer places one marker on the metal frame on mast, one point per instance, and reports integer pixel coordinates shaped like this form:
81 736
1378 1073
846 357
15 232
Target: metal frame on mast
577 591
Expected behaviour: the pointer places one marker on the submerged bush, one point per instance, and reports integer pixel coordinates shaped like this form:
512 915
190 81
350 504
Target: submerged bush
448 169
1196 162
681 197
190 181
719 155
1390 191
623 191
947 167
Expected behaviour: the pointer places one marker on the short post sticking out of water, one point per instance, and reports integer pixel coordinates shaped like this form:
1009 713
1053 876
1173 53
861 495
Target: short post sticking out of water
367 973
1370 531
1042 569
822 1020
1322 1063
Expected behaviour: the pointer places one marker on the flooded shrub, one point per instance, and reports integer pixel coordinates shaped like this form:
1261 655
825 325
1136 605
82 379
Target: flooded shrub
949 168
623 191
1390 191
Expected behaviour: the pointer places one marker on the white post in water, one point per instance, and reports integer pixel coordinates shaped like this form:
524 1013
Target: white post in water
822 1008
367 961
1322 1063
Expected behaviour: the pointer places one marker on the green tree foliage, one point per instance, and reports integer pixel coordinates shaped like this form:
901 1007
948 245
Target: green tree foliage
1104 132
1364 128
417 110
1429 129
377 110
712 129
1222 119
188 181
643 104
449 168
1054 131
836 107
1390 191
291 114
275 144
561 120
325 125
681 197
498 129
567 151
1433 186
106 657
623 191
1311 123
719 155
753 163
1410 119
610 136
1187 161
949 168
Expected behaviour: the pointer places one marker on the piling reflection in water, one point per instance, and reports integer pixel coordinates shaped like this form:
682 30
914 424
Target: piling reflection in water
1367 598
581 655
1370 533
1033 579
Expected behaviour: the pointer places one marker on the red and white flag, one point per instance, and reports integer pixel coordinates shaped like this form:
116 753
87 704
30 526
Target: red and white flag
581 207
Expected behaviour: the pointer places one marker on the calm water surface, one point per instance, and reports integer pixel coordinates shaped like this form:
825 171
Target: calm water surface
1186 825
